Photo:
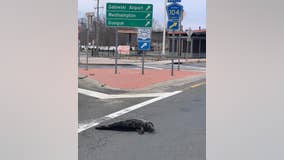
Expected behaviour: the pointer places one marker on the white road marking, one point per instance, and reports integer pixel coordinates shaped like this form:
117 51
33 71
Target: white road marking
138 95
151 67
112 96
93 93
201 68
83 127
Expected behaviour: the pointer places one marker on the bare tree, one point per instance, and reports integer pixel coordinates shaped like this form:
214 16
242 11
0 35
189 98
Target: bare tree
156 25
107 34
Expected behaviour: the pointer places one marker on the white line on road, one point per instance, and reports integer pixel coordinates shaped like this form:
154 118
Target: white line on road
93 93
83 127
137 95
112 96
152 67
201 68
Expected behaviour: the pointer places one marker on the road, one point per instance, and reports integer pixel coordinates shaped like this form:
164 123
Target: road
179 122
186 66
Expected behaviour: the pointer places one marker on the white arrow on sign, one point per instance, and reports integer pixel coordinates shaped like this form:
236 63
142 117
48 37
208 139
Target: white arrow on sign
148 15
148 7
148 22
144 45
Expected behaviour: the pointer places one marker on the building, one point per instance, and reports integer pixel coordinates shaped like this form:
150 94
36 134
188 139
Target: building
186 45
182 43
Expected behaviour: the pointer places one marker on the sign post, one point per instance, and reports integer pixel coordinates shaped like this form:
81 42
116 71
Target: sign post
130 15
143 62
79 47
173 51
144 42
116 50
175 12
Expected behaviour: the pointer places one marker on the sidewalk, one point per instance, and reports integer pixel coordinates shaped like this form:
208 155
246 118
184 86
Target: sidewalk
132 78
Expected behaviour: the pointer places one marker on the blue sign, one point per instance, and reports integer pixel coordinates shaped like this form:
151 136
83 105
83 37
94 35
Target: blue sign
144 45
173 25
144 39
174 1
174 11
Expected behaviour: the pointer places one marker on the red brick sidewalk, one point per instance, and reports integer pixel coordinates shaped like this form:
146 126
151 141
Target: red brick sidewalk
132 78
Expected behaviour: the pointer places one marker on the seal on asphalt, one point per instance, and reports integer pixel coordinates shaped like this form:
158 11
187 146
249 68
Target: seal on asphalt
137 125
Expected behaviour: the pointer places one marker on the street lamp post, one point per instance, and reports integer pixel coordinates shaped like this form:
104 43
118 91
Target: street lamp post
97 27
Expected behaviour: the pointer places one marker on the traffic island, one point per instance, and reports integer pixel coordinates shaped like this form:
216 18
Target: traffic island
129 79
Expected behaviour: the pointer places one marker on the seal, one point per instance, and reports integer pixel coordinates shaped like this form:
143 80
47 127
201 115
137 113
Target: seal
137 125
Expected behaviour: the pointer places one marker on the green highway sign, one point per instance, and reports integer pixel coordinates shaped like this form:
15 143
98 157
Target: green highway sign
129 15
129 23
130 7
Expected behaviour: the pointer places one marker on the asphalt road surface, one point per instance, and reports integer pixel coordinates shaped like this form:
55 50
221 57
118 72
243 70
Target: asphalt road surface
179 122
201 66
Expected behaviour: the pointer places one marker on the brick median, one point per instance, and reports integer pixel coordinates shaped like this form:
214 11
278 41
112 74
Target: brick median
132 78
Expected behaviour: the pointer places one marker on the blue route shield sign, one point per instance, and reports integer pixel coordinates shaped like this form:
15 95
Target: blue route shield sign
174 11
174 1
144 39
173 25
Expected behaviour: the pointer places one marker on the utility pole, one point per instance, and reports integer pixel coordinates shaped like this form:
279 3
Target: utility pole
97 27
89 24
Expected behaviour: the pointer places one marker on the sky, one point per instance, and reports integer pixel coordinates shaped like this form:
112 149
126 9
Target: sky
195 10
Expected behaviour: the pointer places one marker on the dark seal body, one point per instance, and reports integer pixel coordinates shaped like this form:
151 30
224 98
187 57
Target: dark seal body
138 125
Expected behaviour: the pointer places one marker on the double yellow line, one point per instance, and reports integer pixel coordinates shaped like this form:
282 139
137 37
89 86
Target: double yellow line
197 85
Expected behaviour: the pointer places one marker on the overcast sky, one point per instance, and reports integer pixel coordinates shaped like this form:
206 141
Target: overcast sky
195 10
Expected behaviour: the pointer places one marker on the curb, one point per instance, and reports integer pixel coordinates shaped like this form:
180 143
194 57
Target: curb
156 86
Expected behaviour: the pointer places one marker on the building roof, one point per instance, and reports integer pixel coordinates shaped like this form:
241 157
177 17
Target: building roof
127 31
199 30
185 32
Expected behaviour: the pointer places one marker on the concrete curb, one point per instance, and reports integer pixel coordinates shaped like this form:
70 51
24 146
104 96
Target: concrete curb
81 76
157 86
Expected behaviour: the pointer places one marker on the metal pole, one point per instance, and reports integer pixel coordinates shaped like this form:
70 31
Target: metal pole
179 51
97 27
93 48
87 65
191 47
187 49
143 62
116 52
78 52
173 50
164 31
182 48
199 47
90 19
